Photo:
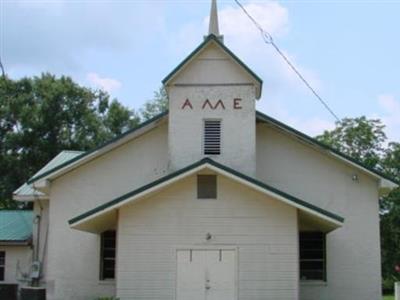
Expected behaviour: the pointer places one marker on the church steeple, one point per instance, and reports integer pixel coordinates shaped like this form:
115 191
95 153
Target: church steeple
214 26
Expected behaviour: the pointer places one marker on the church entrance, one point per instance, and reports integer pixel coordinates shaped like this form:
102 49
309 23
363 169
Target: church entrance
206 274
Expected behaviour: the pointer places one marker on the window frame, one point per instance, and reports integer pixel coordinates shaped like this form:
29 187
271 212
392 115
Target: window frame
203 138
102 276
323 259
3 266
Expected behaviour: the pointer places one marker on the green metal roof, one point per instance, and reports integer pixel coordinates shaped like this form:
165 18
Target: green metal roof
15 225
211 162
215 39
62 158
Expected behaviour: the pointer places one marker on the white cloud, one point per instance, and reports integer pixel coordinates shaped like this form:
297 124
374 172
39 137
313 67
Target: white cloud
270 15
312 126
55 35
106 84
390 115
244 39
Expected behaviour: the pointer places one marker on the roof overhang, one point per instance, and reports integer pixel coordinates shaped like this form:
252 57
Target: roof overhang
16 243
217 41
385 182
42 181
29 198
92 220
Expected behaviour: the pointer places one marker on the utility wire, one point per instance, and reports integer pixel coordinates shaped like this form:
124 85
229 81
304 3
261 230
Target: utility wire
269 40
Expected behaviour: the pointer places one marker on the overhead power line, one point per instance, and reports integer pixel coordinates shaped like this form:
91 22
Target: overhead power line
267 37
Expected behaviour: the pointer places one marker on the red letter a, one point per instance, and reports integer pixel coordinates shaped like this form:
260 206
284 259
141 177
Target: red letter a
187 103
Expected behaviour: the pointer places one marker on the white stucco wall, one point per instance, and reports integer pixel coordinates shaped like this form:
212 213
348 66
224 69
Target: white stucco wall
264 231
73 256
353 252
213 76
18 261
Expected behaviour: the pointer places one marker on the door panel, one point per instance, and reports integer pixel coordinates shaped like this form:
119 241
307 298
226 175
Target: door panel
221 271
206 274
190 275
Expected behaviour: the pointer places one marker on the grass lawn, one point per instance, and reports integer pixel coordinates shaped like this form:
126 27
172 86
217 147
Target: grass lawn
388 297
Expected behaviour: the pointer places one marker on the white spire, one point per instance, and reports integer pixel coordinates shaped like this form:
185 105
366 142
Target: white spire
214 27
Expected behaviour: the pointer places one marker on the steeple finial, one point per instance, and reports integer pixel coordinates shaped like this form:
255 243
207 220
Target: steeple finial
214 27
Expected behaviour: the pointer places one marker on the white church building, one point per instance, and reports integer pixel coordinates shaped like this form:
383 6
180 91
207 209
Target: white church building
209 200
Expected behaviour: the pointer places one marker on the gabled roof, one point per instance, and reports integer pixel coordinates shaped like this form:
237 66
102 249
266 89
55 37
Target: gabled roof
327 149
91 154
209 39
15 226
260 117
207 163
26 192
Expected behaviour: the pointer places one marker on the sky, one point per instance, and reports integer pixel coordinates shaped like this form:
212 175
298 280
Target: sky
348 50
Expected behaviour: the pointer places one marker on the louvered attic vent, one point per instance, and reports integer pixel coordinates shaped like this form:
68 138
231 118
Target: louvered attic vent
212 137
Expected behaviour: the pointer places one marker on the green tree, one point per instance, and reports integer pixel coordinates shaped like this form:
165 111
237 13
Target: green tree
390 217
360 138
41 116
155 106
363 139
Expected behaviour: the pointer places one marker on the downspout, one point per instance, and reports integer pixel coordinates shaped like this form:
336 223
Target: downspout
36 280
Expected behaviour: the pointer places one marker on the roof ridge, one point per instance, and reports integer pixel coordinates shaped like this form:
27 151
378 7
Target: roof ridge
214 38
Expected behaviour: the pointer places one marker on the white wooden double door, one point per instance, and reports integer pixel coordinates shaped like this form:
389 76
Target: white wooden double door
205 274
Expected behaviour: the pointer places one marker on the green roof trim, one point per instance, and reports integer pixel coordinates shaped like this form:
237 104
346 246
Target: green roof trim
209 38
84 154
219 166
267 119
47 170
16 226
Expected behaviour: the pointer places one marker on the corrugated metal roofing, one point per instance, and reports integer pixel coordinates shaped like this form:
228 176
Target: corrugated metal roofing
62 157
15 225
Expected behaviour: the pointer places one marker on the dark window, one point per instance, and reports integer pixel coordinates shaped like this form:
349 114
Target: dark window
312 256
2 264
206 186
212 137
107 255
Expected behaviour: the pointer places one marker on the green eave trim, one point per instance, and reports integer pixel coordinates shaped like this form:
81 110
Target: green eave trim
209 38
267 119
193 166
27 242
83 155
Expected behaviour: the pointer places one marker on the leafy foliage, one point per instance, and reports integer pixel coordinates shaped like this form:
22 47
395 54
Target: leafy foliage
359 138
363 139
157 105
41 116
390 216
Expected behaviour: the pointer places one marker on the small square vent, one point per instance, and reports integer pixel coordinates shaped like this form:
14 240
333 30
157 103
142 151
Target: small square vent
206 186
